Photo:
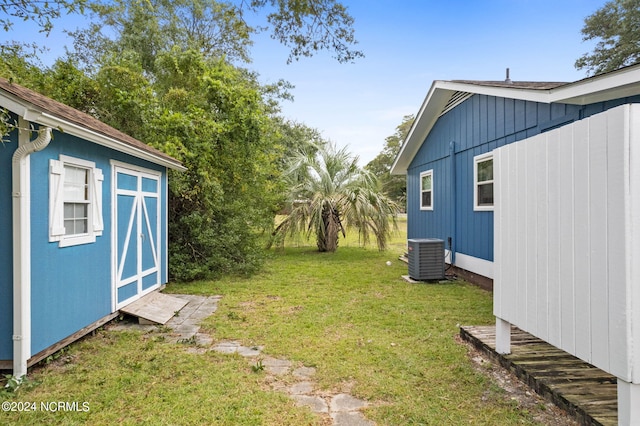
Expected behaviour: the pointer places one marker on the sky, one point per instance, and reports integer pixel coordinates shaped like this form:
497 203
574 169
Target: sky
407 45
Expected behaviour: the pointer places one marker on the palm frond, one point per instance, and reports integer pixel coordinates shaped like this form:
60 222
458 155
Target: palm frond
330 194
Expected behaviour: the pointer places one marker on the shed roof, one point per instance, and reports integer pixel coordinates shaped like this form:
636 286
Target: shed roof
40 109
444 95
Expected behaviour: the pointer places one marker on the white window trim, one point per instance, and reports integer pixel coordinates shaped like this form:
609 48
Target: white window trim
422 174
479 159
95 224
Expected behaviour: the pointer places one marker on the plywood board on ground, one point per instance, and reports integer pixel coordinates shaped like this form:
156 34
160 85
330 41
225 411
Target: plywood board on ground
155 307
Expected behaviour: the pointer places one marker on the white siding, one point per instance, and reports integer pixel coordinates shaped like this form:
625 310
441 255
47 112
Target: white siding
582 249
632 219
567 231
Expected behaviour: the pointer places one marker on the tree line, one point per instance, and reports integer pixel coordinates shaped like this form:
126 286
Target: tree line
173 73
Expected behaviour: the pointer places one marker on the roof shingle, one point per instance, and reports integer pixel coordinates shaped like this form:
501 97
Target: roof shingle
72 115
533 85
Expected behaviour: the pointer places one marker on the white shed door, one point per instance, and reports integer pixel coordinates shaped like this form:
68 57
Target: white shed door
136 233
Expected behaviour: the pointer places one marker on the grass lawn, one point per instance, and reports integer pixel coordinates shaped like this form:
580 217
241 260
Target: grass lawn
347 314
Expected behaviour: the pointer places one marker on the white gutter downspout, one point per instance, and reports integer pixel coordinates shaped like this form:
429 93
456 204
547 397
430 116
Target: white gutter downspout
21 192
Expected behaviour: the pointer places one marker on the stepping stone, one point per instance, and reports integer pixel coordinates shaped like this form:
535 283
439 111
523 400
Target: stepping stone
186 330
304 372
343 402
317 404
203 339
301 388
200 314
230 347
353 418
277 366
249 352
196 350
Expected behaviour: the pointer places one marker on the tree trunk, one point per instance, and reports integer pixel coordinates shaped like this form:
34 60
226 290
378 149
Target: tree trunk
327 238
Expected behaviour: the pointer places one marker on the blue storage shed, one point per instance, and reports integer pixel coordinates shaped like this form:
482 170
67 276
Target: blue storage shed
83 229
448 153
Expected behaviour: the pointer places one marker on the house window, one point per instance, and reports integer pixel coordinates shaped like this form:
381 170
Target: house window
483 182
75 201
426 190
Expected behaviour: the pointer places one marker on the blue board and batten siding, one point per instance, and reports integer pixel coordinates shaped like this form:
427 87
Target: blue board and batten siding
71 287
476 126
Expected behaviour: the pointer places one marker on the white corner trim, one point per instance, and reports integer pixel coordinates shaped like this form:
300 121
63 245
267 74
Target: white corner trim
633 239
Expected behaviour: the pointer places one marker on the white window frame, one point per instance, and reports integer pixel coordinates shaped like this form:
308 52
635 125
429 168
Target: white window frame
95 224
476 160
423 174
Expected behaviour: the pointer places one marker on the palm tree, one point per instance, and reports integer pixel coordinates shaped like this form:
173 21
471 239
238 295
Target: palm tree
329 194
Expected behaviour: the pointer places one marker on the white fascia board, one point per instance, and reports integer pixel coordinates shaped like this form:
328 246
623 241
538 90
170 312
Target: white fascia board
535 95
613 85
31 114
431 107
18 108
100 139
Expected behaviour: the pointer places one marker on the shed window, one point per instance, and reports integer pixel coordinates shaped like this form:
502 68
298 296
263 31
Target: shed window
76 200
483 182
426 190
75 195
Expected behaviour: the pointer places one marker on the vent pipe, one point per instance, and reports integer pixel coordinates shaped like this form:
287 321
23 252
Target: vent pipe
508 79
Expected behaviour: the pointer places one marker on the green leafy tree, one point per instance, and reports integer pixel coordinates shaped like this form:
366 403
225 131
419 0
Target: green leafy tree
395 187
617 27
296 137
151 27
216 29
308 26
212 118
16 63
160 81
42 13
39 11
329 194
215 119
65 82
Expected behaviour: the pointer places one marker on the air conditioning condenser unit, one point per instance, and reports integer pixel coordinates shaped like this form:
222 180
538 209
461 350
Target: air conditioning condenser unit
426 259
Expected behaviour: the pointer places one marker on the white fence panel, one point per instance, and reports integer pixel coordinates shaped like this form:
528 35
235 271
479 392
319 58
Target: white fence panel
617 184
598 143
567 265
541 233
582 251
